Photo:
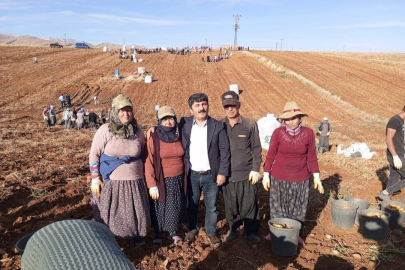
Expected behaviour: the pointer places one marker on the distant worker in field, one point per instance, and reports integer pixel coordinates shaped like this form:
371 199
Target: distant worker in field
240 192
45 115
92 120
324 129
66 116
68 100
62 101
395 140
52 116
80 119
95 98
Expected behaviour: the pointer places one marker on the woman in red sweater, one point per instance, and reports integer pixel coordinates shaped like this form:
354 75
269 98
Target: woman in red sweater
164 173
289 163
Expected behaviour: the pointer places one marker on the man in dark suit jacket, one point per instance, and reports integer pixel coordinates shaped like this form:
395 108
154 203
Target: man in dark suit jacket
207 153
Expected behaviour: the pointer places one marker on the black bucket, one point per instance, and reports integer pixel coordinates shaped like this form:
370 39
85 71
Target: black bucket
20 246
343 213
284 241
362 204
374 228
397 218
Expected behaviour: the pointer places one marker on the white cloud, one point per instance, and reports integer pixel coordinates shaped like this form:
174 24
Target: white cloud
138 20
365 25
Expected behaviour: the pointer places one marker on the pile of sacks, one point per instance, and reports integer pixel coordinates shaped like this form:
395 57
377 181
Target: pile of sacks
356 150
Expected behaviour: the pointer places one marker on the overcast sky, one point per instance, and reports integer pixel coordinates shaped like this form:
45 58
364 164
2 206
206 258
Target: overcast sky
317 25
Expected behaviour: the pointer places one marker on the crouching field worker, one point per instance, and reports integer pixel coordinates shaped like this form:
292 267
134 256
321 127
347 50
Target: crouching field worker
290 160
240 193
119 193
164 173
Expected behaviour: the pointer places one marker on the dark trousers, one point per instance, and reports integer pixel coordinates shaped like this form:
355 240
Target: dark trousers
324 143
241 206
395 183
210 192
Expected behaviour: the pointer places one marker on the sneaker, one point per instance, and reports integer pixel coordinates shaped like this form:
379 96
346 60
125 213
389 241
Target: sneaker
253 238
383 196
214 240
190 236
230 236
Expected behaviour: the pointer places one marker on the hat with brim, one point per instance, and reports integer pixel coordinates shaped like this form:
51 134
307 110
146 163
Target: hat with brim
230 98
291 110
166 111
121 101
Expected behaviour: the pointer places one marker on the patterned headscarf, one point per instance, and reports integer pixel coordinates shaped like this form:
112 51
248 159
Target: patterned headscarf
115 126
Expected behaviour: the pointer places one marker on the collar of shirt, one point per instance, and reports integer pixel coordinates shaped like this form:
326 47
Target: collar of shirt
195 123
237 122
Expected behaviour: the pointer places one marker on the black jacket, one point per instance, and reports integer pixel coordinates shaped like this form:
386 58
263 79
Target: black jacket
219 154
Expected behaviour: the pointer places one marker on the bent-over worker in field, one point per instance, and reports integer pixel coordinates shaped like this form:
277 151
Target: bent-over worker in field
164 173
240 192
118 189
206 148
290 161
324 129
395 140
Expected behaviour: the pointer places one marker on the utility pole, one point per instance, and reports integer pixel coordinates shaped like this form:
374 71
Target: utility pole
281 45
205 42
236 27
64 38
276 46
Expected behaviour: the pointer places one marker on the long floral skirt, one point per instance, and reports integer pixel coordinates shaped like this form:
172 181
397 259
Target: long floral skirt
166 216
288 199
124 207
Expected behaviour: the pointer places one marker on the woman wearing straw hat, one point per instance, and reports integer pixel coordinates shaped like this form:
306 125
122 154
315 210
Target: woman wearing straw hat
119 193
290 160
164 172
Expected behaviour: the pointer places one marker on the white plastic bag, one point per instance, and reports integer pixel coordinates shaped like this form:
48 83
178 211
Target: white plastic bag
354 150
266 126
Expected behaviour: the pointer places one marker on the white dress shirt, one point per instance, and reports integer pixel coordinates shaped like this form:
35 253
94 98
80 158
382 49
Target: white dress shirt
198 148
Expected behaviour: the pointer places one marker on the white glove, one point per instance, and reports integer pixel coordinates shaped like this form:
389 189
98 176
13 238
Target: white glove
318 183
96 186
154 193
397 162
327 134
254 176
266 181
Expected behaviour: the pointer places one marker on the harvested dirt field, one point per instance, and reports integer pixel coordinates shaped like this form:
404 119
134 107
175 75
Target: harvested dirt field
43 170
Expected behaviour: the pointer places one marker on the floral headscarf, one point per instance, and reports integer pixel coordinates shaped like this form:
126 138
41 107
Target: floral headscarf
124 130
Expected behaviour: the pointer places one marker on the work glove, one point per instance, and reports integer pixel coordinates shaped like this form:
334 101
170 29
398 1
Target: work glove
254 177
327 134
154 193
266 181
397 162
318 183
96 186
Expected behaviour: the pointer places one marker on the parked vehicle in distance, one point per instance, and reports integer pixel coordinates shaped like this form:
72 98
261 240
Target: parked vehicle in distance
55 45
81 45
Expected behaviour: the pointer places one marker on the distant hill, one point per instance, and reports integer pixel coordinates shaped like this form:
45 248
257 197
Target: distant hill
26 40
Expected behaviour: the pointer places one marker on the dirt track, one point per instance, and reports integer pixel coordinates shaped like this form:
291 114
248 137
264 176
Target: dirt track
43 171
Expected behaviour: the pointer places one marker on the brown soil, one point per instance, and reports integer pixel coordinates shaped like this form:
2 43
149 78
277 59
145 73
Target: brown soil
43 171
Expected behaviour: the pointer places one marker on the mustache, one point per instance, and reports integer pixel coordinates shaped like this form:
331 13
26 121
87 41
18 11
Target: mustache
202 111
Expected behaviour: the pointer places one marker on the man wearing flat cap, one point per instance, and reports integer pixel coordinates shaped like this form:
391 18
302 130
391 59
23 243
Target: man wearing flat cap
246 156
324 129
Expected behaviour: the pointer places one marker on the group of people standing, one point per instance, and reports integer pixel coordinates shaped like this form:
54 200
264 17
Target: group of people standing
65 100
180 160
